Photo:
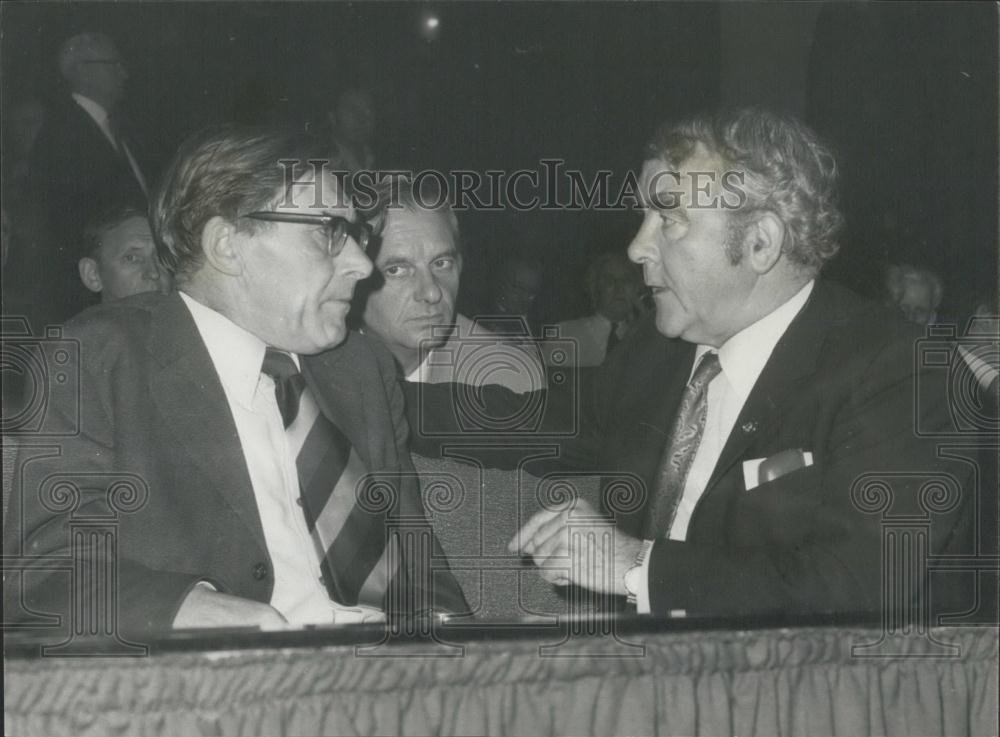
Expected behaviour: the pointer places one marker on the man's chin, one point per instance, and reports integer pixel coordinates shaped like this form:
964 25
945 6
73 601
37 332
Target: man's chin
668 327
431 336
330 338
429 343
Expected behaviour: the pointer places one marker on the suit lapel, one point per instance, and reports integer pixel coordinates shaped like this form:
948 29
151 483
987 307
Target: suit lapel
95 135
189 396
792 362
118 160
640 422
346 401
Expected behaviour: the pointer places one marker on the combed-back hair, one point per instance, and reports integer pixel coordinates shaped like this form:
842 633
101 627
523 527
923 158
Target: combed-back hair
105 221
226 171
395 193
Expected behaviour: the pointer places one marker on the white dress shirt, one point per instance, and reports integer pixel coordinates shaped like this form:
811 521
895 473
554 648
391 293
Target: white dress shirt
477 356
590 335
299 593
742 359
100 116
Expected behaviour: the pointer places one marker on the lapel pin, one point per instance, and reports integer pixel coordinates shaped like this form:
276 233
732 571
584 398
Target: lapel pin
749 427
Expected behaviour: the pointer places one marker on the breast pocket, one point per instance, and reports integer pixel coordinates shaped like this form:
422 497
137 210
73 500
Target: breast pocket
779 512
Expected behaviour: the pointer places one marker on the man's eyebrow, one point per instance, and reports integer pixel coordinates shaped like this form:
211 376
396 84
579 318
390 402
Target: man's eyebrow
450 253
664 199
396 261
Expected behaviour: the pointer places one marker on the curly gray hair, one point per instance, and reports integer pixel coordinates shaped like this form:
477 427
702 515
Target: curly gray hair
787 170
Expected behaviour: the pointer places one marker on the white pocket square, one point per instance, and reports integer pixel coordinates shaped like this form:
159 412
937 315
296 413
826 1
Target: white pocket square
775 466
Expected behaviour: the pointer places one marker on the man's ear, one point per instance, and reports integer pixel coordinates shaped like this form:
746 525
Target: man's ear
763 240
218 243
90 275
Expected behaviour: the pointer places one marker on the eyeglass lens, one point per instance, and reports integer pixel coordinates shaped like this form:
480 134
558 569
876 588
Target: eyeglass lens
342 229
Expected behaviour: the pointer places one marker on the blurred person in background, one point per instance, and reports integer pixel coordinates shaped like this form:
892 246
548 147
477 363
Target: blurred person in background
352 129
85 160
21 126
513 308
914 291
615 288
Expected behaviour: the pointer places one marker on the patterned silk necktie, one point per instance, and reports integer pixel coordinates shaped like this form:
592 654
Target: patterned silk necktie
356 564
685 437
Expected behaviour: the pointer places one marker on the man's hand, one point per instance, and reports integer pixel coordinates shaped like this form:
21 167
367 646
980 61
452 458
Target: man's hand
203 607
577 545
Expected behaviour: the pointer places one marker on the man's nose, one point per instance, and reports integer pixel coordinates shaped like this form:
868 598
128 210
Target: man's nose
151 270
428 289
353 261
641 249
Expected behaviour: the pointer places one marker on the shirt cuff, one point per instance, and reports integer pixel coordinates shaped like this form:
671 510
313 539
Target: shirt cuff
642 587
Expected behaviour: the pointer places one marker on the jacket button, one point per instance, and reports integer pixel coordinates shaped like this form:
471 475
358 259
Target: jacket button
260 571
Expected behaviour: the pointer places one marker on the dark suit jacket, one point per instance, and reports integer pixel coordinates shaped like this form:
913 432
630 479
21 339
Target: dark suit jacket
74 175
152 411
842 383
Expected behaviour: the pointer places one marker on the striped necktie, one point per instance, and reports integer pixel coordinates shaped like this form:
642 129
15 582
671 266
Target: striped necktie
685 437
355 562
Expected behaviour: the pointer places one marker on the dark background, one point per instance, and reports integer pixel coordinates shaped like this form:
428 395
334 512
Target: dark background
906 93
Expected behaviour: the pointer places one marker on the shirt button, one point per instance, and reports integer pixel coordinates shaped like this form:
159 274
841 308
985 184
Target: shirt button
260 571
298 501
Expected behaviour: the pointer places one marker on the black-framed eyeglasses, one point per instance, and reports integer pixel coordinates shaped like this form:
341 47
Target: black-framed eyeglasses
338 229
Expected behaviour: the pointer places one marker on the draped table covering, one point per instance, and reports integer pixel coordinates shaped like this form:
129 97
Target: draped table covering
753 682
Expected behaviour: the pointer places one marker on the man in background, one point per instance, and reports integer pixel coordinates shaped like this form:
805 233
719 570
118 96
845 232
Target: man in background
121 256
514 305
84 161
914 291
615 289
409 303
352 130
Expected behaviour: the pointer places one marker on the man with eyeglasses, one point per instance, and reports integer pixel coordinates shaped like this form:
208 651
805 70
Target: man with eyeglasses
84 162
266 443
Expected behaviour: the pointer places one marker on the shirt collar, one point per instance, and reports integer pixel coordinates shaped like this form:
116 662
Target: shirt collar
94 109
236 353
464 327
419 374
744 355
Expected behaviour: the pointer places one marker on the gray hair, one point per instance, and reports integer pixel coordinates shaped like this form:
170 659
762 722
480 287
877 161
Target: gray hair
787 169
225 171
413 195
